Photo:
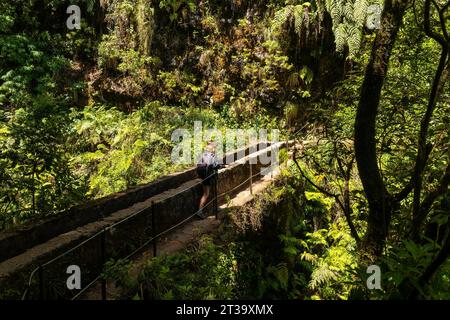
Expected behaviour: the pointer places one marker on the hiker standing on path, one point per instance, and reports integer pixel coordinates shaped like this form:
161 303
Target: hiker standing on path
206 169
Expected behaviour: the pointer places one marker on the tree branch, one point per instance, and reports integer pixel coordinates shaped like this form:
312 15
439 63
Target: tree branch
427 26
324 191
442 20
441 257
431 197
441 76
401 195
345 208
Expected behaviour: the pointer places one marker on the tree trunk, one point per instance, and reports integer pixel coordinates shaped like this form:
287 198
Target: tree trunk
380 201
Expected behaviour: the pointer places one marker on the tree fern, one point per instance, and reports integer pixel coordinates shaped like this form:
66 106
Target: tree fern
348 18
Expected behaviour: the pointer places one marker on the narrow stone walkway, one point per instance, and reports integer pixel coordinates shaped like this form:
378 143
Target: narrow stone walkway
181 237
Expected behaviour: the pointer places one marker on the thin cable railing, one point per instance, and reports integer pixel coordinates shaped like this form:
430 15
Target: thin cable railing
153 239
114 225
86 287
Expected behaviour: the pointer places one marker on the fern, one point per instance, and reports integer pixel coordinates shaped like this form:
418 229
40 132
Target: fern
312 258
340 37
360 11
281 274
348 18
321 276
290 15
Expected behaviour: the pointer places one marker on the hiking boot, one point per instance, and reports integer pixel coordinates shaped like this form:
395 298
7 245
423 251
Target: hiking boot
201 214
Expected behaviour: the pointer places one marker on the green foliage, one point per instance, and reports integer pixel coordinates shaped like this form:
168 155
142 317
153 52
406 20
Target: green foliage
401 110
208 273
117 151
332 256
119 272
349 17
180 87
37 177
321 251
295 14
125 51
305 20
174 6
263 78
302 18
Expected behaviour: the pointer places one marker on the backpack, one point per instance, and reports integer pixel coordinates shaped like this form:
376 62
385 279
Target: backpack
206 165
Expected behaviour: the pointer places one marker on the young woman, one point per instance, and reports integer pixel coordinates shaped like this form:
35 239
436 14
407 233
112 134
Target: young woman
205 170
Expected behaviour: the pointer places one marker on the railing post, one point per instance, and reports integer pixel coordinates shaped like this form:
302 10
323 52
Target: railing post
103 254
216 210
41 283
271 164
251 177
153 227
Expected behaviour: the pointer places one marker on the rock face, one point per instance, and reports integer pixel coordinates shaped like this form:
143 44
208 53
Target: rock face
131 218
